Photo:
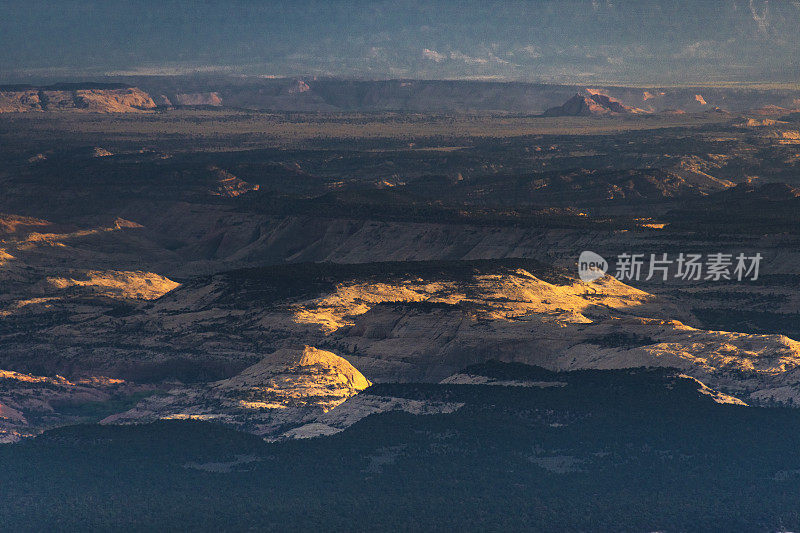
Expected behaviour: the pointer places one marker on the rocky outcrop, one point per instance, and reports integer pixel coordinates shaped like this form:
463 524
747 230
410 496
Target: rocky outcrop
288 388
590 105
126 100
298 378
20 101
101 99
112 284
291 393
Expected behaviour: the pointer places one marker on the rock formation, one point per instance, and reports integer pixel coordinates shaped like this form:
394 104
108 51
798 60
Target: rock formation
100 99
590 105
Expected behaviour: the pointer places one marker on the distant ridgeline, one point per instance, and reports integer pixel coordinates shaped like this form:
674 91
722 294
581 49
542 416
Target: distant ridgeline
145 93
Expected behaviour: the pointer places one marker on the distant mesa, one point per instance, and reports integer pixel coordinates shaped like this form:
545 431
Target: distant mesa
198 99
98 98
313 94
591 104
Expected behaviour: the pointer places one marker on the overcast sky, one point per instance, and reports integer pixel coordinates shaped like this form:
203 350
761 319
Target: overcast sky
642 41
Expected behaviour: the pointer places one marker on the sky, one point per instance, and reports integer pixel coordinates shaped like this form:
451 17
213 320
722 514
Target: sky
625 41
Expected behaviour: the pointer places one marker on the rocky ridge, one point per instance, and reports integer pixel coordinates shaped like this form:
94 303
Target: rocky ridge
100 99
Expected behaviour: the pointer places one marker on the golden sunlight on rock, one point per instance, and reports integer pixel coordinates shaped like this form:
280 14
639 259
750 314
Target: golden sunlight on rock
650 223
292 378
336 310
495 297
117 284
13 224
35 238
718 397
284 387
28 378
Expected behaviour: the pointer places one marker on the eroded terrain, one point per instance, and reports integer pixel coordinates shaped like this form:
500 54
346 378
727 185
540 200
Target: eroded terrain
179 264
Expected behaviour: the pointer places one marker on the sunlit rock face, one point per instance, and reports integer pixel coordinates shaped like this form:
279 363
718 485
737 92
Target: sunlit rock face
38 261
98 100
20 101
325 341
392 328
204 341
115 283
290 394
717 396
295 378
423 331
287 387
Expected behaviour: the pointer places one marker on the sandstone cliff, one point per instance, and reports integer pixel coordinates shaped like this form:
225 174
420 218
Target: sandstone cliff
100 99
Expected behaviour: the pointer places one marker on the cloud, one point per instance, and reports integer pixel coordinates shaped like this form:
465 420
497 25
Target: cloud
469 60
455 55
699 50
530 51
433 55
